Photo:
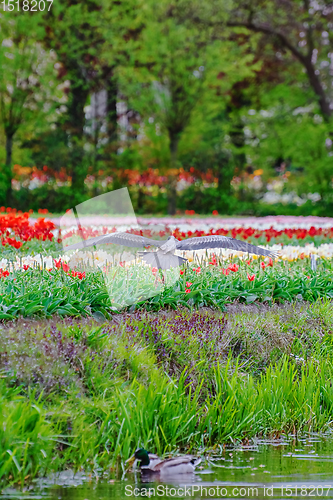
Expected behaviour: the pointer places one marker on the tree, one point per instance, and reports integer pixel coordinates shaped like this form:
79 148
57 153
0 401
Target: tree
71 29
290 129
88 38
28 88
175 64
294 34
303 28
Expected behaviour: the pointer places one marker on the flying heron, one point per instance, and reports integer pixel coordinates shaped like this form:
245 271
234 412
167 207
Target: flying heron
164 257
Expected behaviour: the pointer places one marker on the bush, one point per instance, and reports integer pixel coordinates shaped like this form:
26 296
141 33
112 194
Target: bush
319 209
205 200
151 200
55 200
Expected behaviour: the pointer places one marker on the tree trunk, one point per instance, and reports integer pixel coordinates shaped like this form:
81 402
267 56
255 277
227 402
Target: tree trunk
140 200
225 173
305 60
75 128
238 140
318 89
78 169
172 177
111 110
8 170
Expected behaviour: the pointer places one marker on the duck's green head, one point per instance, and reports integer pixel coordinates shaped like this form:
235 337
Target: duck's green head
142 455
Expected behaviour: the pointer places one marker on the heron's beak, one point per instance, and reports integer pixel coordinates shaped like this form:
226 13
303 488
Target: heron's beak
130 461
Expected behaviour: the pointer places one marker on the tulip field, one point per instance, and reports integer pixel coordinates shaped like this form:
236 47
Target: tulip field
37 278
100 352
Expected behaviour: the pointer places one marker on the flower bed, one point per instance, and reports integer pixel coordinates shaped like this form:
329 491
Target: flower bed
31 290
284 236
37 277
16 231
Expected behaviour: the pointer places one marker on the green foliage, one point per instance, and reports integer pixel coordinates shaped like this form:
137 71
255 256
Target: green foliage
56 198
294 132
173 77
26 437
27 81
28 89
205 200
102 390
47 293
189 74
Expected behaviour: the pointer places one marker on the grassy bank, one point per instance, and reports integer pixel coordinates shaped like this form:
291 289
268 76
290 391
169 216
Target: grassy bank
75 393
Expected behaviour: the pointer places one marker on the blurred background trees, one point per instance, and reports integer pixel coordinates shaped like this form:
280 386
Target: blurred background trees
196 105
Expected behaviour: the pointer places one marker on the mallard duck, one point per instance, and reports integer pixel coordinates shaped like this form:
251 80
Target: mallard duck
150 463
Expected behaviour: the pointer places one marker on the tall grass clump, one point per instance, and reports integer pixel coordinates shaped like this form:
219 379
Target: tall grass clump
26 437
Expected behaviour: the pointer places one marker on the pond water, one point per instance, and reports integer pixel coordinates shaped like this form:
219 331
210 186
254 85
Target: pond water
286 468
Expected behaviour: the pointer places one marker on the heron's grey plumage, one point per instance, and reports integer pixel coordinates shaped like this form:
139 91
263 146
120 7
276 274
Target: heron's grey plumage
165 257
217 241
119 238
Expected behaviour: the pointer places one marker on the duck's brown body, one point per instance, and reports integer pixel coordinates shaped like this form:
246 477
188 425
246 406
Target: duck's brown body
152 464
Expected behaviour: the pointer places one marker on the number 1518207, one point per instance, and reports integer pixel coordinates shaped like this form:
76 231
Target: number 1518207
27 5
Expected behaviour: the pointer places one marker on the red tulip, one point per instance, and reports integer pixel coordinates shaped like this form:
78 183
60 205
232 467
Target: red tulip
57 263
233 267
213 262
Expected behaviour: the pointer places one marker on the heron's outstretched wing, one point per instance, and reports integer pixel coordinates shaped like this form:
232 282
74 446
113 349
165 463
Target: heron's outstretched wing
126 239
216 241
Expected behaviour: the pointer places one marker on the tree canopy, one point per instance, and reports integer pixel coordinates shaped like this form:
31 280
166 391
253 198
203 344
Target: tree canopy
219 88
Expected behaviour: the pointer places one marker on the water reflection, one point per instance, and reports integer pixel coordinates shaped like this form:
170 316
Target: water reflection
286 468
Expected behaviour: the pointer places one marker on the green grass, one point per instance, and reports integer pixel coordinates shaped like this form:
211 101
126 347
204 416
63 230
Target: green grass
168 381
26 436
